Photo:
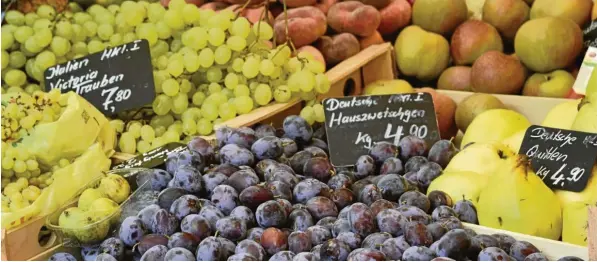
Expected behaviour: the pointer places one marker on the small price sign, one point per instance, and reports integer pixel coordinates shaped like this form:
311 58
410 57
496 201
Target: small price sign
113 80
355 124
152 158
590 34
562 158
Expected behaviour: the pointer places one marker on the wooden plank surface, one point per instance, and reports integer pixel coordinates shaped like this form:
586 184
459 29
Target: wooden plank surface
592 235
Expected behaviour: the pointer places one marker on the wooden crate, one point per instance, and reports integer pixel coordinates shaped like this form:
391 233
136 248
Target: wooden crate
22 243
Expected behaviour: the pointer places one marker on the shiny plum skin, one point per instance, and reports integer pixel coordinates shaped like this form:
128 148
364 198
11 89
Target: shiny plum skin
522 249
243 137
414 163
365 166
299 241
131 231
382 151
393 248
466 211
321 207
225 198
442 152
415 198
418 253
391 165
183 240
232 228
268 147
411 146
334 250
271 214
366 254
250 247
319 234
297 128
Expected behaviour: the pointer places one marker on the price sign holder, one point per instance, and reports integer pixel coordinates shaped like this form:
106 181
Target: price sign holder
562 158
113 80
590 34
152 158
355 124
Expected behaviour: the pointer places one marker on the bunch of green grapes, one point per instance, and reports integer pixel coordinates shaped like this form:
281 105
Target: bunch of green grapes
209 66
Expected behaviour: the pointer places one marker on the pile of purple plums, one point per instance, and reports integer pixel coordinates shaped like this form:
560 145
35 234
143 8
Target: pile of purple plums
272 194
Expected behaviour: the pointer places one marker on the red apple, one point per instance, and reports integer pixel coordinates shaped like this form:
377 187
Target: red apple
324 5
394 17
253 15
373 39
216 6
195 2
411 2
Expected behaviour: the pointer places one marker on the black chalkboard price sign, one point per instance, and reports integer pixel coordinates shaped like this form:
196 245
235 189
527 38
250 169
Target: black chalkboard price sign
562 158
355 124
152 158
113 80
590 34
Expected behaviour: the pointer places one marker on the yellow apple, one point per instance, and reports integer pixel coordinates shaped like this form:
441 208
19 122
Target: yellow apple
555 84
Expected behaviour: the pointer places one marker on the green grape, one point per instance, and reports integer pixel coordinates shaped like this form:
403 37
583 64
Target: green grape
240 27
14 17
280 55
322 83
190 13
262 94
231 81
46 11
293 65
180 103
227 111
113 8
60 46
176 45
95 46
17 59
43 37
79 33
209 111
160 48
282 94
216 36
30 18
147 133
7 40
316 66
82 17
319 113
45 60
237 65
227 93
206 57
155 12
236 43
308 114
214 88
32 46
64 29
172 135
173 19
134 128
105 17
7 163
277 73
217 98
175 68
143 146
5 59
130 37
80 48
159 131
241 90
177 4
163 30
148 31
198 98
118 125
31 88
133 17
8 28
302 80
308 96
104 31
96 9
164 120
219 20
195 38
90 28
191 62
127 143
243 104
204 16
22 33
162 104
189 127
213 74
263 30
185 86
19 166
222 54
266 67
116 39
204 127
170 87
158 141
15 77
250 67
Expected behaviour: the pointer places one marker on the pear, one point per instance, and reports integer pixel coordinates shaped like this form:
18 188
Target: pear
460 185
472 106
387 87
578 11
586 119
72 217
494 125
515 141
115 187
94 230
439 16
104 207
421 54
480 158
575 210
538 43
562 115
88 196
517 200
